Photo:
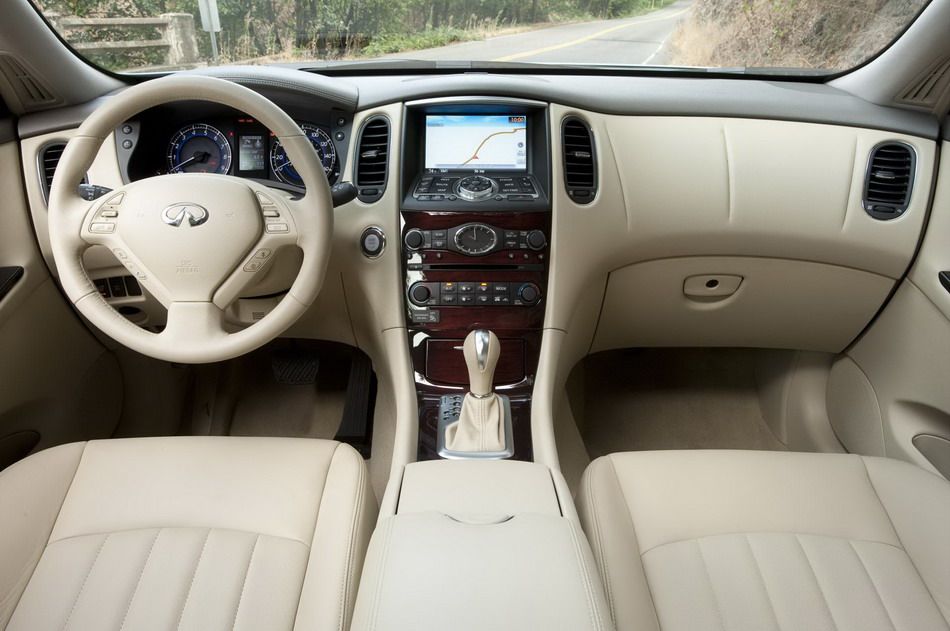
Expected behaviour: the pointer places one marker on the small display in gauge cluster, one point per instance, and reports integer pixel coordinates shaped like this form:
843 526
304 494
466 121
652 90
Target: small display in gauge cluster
252 155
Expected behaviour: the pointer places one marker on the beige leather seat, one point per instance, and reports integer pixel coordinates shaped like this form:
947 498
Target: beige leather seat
184 533
736 541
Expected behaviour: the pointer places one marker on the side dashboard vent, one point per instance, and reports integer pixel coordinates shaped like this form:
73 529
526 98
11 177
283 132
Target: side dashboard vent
28 89
889 180
372 159
931 87
48 161
580 167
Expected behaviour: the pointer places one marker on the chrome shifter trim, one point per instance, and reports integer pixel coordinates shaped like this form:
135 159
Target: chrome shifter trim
482 340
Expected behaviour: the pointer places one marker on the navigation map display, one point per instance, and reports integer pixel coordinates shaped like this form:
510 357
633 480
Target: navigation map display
475 142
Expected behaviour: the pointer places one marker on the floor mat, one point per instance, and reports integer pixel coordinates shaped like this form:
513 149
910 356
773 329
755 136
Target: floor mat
672 399
268 403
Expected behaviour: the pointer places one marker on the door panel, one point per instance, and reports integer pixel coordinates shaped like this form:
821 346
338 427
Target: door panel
899 371
57 382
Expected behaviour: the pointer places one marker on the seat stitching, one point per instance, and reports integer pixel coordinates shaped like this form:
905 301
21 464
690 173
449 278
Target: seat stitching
877 592
29 572
377 597
633 526
767 532
148 556
238 530
194 575
316 523
712 590
598 539
765 587
348 569
247 572
86 579
584 572
814 574
877 495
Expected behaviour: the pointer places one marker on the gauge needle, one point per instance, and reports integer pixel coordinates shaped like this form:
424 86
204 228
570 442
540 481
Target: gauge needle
200 156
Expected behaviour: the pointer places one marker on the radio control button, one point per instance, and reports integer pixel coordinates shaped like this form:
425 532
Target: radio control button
415 239
536 240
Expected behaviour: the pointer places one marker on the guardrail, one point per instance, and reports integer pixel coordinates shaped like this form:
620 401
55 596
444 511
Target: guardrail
177 39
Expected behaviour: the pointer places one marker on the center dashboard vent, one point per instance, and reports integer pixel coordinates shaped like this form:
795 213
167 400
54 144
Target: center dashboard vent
889 180
580 168
372 159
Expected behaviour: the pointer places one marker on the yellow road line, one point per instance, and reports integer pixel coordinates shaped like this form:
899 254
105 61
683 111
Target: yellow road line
587 38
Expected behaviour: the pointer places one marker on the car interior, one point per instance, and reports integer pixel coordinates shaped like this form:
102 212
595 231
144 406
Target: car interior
425 344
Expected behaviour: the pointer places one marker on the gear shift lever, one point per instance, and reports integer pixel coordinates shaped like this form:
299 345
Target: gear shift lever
482 426
481 350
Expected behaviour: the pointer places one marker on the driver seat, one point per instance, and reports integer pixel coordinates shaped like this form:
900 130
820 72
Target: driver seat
184 533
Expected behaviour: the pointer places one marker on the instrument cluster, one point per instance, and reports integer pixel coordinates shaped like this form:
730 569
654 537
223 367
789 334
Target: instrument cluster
242 147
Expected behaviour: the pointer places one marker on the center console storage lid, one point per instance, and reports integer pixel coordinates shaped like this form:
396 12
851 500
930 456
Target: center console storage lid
478 487
477 545
431 571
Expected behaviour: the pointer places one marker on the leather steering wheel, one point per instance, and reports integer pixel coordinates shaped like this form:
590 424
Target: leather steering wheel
194 241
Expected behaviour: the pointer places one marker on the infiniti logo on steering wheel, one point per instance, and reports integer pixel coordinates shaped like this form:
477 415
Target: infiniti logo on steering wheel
175 214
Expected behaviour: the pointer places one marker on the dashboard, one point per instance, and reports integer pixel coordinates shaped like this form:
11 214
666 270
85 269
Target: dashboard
212 139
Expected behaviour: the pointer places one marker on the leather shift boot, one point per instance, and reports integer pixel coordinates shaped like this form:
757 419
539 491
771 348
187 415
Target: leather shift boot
480 428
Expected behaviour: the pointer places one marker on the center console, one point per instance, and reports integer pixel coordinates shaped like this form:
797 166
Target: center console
475 210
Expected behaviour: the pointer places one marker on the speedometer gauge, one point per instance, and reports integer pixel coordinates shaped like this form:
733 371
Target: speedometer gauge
321 142
199 149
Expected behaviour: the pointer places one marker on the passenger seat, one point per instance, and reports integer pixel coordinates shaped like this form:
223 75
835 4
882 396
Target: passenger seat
759 541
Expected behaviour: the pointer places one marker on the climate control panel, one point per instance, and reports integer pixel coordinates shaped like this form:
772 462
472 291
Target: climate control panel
475 239
474 294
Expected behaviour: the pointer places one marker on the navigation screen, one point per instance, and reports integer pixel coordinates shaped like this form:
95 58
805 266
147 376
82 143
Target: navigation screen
477 142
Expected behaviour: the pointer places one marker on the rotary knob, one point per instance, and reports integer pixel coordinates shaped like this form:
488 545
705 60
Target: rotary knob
529 293
414 239
475 187
419 295
536 240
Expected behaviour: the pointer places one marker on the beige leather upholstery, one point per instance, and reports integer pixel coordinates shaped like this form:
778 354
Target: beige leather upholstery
479 545
765 541
188 533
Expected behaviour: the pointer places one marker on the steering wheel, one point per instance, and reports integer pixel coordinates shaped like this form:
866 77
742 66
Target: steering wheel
194 241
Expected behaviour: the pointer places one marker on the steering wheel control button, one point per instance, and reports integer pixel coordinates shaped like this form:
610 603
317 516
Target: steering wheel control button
277 228
254 265
263 253
271 212
372 242
102 227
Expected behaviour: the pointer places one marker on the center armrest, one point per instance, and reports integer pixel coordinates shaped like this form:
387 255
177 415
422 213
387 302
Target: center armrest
479 545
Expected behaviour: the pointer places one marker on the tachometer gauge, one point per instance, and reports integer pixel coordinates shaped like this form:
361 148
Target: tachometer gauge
199 149
320 140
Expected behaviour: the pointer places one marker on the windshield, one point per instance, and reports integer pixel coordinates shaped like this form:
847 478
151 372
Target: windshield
804 36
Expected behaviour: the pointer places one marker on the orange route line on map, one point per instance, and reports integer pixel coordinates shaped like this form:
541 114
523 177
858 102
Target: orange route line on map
487 138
